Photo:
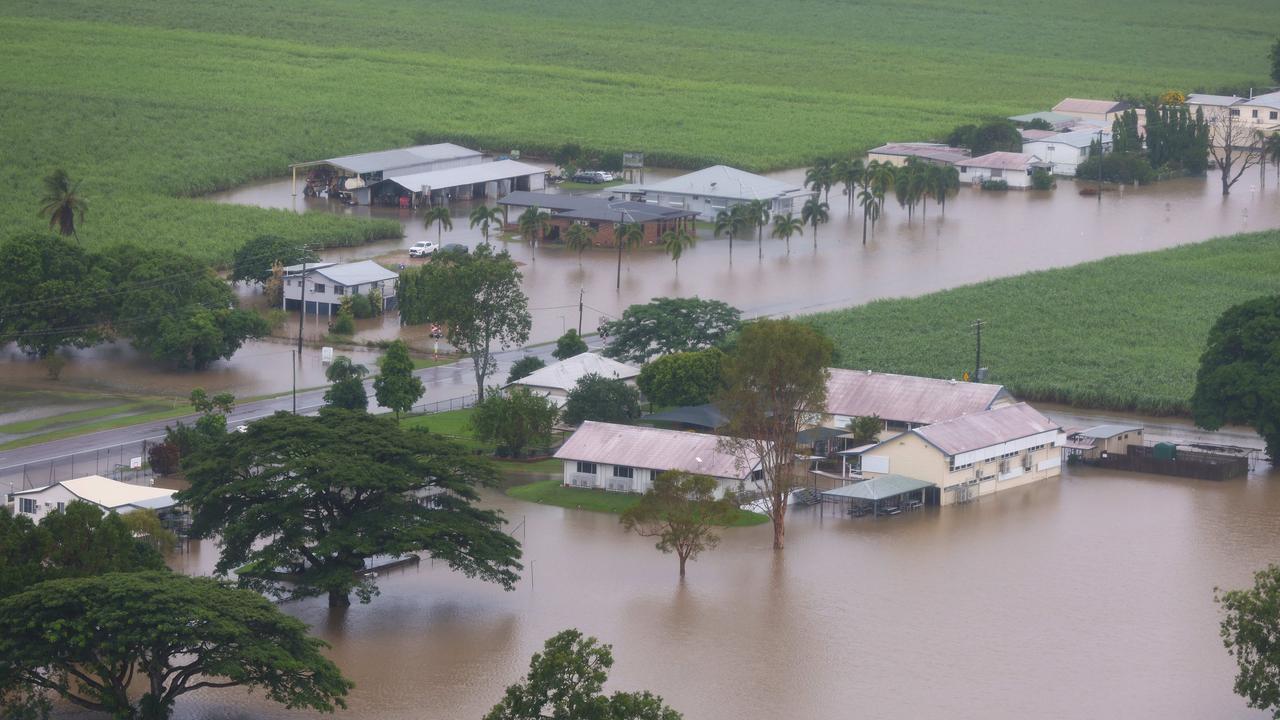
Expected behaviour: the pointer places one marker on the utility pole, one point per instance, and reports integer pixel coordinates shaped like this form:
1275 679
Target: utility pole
977 362
1100 154
302 305
294 353
581 292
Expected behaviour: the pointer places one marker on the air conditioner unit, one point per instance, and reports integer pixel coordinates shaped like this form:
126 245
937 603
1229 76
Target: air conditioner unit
1026 461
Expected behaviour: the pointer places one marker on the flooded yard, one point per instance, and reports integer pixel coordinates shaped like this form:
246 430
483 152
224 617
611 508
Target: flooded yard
1085 596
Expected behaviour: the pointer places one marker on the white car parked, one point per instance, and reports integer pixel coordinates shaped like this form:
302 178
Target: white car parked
423 249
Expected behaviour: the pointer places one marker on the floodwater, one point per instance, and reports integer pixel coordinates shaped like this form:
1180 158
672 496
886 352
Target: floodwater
1085 596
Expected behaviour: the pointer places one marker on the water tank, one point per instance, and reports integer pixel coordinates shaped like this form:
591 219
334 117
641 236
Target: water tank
1164 451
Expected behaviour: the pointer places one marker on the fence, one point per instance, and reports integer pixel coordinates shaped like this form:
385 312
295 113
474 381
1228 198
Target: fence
458 403
1186 463
113 462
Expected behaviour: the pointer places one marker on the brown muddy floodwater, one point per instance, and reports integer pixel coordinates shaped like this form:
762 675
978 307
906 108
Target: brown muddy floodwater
1088 596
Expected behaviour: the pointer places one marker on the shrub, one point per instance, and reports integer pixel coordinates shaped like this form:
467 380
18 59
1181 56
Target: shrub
1042 179
361 307
344 324
1123 168
995 185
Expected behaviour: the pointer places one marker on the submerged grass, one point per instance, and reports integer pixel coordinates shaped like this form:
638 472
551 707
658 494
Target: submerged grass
1124 333
554 492
153 103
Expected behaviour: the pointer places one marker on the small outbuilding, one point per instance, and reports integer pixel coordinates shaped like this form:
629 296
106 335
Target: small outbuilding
1014 169
327 283
109 495
600 214
1103 440
932 153
720 187
626 458
555 381
1065 151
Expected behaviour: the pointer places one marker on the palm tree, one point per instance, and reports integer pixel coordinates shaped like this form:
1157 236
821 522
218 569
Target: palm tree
879 176
819 177
62 203
732 221
627 235
870 210
814 213
918 185
756 213
784 226
484 216
675 242
946 181
902 189
1271 151
850 174
578 238
440 216
532 223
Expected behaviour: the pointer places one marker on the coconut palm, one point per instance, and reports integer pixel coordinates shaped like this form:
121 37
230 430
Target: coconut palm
756 213
578 238
533 224
814 213
785 226
849 173
675 242
879 176
946 181
485 216
731 221
627 235
870 210
62 203
438 215
819 177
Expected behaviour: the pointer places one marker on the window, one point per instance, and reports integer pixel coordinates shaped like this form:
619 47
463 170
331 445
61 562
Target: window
1273 114
964 170
319 287
997 173
27 505
1084 152
1235 112
1255 113
622 471
62 506
586 468
337 290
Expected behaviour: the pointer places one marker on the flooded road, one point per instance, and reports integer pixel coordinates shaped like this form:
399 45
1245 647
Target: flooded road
1085 596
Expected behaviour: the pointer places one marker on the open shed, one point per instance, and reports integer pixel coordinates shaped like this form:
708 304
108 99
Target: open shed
884 495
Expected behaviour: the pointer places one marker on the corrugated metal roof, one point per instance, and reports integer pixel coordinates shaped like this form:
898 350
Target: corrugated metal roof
651 448
1093 107
109 493
1049 117
1033 135
1075 138
1270 100
880 488
984 429
906 398
591 207
401 158
720 181
1108 430
925 151
1002 161
565 374
356 273
1216 100
466 175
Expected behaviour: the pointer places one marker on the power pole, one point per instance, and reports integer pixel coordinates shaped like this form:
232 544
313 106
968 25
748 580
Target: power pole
295 381
302 306
581 292
977 361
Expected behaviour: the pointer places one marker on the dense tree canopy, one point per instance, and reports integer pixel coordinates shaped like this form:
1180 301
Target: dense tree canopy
691 378
299 503
254 260
476 297
1239 377
566 682
668 325
998 135
596 397
1250 626
515 419
524 367
86 639
396 387
52 294
568 345
347 390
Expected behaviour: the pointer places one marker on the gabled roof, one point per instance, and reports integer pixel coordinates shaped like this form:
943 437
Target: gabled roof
984 429
402 158
466 175
707 416
936 152
879 488
1270 100
1216 100
1093 107
1075 138
1052 118
1033 135
719 181
1002 161
111 494
906 398
1108 430
356 273
651 448
565 374
589 207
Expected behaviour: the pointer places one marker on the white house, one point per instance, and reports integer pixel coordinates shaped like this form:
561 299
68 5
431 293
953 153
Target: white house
716 188
327 283
905 401
1065 151
626 458
106 493
1246 116
972 455
555 381
1013 168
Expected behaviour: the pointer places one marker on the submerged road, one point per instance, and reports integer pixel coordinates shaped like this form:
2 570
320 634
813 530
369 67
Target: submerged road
446 386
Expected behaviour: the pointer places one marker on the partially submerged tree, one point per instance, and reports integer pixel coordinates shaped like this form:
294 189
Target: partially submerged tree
675 242
682 511
785 227
1235 147
299 503
476 297
776 378
691 378
627 235
438 216
62 203
130 644
145 525
486 217
566 682
1250 626
524 367
813 214
596 397
514 420
396 387
1238 381
568 345
578 238
666 325
54 295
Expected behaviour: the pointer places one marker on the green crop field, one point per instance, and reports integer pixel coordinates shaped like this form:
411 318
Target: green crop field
153 103
1123 333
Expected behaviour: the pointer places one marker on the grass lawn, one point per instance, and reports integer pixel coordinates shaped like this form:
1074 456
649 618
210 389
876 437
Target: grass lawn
1124 333
152 104
453 424
553 492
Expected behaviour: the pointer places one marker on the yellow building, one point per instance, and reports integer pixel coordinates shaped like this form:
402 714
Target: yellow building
972 455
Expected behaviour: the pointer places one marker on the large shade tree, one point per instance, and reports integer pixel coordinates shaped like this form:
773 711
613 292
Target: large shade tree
667 325
476 297
514 420
1238 381
776 382
688 378
53 294
299 503
1249 628
254 260
131 644
605 399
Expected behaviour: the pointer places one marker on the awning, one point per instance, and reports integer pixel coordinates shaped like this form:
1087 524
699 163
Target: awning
858 450
707 416
886 486
816 434
1078 445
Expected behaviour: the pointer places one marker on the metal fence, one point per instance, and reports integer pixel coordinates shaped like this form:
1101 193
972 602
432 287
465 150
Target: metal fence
113 462
458 403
